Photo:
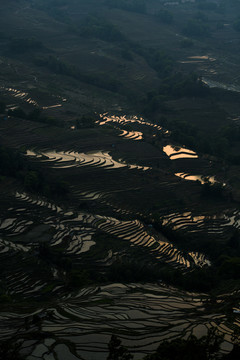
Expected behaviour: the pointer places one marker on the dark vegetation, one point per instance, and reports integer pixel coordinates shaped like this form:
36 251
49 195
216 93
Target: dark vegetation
85 121
59 67
225 259
133 264
35 115
13 164
220 143
212 280
196 28
204 348
173 85
10 350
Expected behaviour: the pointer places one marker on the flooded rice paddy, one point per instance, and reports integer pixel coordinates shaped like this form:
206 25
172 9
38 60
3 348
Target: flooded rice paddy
124 120
79 228
80 324
140 315
132 135
202 179
69 159
176 152
36 220
198 59
216 84
21 95
208 224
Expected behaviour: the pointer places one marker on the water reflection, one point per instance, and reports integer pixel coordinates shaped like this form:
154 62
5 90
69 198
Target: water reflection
24 96
177 152
133 135
52 106
209 223
234 219
216 84
198 59
180 220
201 178
21 95
124 120
68 159
199 259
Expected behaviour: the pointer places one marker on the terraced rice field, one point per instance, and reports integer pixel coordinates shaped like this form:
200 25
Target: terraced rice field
133 135
133 231
201 178
119 194
216 225
216 84
22 96
106 192
179 152
123 120
79 228
68 159
80 326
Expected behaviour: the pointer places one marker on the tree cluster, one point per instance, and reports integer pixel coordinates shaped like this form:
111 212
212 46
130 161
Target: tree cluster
99 79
